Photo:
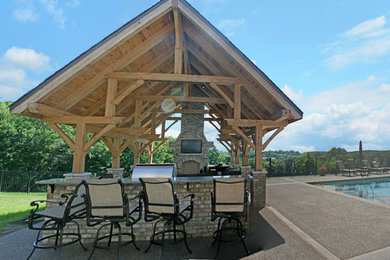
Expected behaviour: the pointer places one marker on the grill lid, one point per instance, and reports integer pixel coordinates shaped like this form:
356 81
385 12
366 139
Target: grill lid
167 170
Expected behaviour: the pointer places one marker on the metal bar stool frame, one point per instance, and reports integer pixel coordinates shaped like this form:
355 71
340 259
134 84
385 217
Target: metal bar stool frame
231 213
171 213
100 213
56 219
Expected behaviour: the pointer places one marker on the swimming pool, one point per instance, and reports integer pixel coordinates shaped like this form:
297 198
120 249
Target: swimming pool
377 189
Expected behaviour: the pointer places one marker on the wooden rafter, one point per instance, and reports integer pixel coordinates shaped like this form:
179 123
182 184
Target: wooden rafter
129 57
64 136
172 77
243 135
84 119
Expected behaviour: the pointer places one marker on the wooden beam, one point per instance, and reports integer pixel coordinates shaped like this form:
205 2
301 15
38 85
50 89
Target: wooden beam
127 91
128 130
222 142
111 92
180 99
108 141
222 93
142 23
173 77
138 111
243 135
159 145
129 57
83 119
280 129
96 137
78 152
42 109
237 101
254 122
64 136
259 149
178 63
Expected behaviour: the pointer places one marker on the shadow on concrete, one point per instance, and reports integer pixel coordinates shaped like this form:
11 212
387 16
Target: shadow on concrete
261 235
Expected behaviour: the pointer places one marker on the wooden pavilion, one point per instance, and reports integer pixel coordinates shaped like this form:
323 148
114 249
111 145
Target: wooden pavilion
139 78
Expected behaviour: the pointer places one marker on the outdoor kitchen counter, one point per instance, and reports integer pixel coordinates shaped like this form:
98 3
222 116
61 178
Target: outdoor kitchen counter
199 226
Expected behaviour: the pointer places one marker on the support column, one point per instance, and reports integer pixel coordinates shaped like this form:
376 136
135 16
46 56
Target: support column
150 153
79 154
245 154
259 148
116 153
259 194
237 151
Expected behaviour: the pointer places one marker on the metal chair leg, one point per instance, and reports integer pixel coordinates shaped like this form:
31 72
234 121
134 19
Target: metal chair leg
119 239
78 232
109 239
185 240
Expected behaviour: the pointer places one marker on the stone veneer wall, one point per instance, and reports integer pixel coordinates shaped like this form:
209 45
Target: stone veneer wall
192 127
199 226
259 182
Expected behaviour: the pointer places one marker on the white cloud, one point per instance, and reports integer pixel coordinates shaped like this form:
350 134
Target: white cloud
27 59
18 68
31 10
230 26
294 96
52 8
370 28
27 14
341 117
363 43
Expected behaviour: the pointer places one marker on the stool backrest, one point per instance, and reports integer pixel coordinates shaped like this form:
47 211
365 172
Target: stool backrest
105 197
159 195
76 204
230 194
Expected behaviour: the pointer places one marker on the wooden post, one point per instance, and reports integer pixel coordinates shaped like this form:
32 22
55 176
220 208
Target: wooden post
150 153
259 148
79 154
237 150
237 101
137 153
111 92
245 154
116 152
231 153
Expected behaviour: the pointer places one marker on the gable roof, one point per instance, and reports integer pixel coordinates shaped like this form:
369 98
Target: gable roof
147 44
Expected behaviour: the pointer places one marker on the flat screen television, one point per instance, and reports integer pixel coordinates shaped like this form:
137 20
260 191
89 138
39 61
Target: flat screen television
191 146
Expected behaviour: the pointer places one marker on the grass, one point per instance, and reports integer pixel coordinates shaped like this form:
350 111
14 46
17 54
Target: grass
15 206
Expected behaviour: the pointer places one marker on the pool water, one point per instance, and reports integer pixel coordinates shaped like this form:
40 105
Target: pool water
377 189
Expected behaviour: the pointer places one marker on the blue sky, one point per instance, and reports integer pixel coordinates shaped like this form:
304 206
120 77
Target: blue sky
331 57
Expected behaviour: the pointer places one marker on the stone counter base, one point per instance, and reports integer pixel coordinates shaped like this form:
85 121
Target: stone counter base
199 226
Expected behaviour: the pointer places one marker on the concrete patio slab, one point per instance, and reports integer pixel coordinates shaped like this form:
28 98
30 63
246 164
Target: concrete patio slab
345 226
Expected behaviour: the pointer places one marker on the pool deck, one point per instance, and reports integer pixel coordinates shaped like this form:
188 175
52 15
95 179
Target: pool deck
336 224
300 221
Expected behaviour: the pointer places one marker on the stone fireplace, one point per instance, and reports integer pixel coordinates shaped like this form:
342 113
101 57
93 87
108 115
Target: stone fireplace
191 146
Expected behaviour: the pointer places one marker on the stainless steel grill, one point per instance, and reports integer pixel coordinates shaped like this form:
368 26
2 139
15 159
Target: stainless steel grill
154 171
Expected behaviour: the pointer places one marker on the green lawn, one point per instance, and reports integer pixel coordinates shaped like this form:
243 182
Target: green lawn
15 206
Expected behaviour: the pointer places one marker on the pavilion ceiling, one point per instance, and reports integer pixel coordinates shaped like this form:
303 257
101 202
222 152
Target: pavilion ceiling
168 52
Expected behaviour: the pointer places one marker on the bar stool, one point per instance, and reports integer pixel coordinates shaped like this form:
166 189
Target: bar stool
56 218
229 202
162 204
107 204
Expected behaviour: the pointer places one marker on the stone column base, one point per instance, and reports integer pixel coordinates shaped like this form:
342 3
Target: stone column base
259 180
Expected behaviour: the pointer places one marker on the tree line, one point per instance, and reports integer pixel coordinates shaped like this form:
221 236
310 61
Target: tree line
28 144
